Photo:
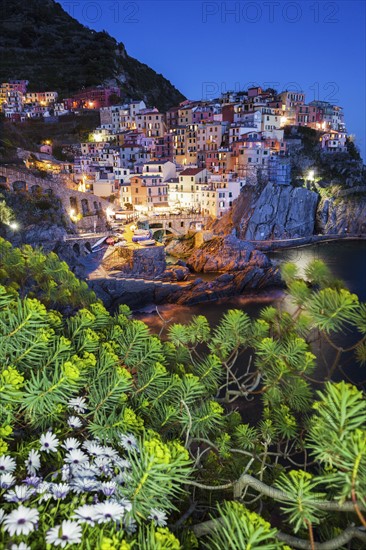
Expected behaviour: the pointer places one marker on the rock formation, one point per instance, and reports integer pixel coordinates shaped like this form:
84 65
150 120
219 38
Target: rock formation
282 212
342 216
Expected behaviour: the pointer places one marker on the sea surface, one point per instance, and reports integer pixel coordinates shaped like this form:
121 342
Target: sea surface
346 259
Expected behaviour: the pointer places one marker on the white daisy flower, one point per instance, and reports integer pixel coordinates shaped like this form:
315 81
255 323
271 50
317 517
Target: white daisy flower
44 489
85 514
74 422
2 514
60 490
104 465
159 517
49 442
76 457
21 521
108 511
85 469
78 404
7 464
90 442
6 481
70 444
45 497
128 442
33 462
20 546
20 493
66 472
125 503
93 448
69 532
110 453
108 488
84 485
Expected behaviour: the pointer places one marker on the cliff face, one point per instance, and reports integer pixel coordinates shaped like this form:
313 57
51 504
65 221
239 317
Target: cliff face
42 43
281 212
342 216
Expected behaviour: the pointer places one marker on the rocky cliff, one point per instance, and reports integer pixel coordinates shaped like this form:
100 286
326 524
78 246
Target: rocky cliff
342 216
285 212
282 212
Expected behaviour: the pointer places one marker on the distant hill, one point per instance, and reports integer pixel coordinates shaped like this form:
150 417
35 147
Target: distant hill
42 43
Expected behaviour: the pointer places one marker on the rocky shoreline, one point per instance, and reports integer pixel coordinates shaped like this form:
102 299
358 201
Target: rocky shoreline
280 244
239 266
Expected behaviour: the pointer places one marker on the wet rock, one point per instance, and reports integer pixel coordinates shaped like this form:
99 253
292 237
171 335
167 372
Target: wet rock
176 273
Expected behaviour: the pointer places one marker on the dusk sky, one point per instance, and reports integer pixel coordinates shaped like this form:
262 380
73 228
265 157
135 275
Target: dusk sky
204 48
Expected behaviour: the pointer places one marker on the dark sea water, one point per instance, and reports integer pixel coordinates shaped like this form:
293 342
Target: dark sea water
346 259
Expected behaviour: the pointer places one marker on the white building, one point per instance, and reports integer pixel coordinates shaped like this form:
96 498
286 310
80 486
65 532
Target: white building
165 169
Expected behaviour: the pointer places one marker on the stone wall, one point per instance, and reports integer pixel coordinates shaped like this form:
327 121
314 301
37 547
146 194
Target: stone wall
85 204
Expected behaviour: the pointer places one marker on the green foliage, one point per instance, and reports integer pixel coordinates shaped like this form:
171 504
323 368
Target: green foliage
43 276
171 407
289 272
6 213
233 331
332 309
239 528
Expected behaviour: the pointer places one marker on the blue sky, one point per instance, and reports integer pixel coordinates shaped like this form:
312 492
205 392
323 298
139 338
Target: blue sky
204 47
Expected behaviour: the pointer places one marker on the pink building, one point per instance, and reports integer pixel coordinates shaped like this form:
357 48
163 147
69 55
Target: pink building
220 161
309 115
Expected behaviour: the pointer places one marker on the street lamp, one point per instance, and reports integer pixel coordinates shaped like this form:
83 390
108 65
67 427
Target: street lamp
311 175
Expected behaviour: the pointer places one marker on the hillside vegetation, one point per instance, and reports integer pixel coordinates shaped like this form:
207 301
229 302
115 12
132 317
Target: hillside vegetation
42 43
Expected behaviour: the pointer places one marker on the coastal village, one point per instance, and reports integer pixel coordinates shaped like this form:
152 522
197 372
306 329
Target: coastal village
182 282
192 160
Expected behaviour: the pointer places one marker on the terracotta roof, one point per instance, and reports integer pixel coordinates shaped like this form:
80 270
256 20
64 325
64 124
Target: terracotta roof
191 171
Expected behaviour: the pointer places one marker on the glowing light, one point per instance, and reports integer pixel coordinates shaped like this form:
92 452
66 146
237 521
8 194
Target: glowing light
283 120
72 212
13 225
311 174
97 137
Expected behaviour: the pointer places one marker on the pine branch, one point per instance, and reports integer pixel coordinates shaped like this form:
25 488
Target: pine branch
248 480
202 529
